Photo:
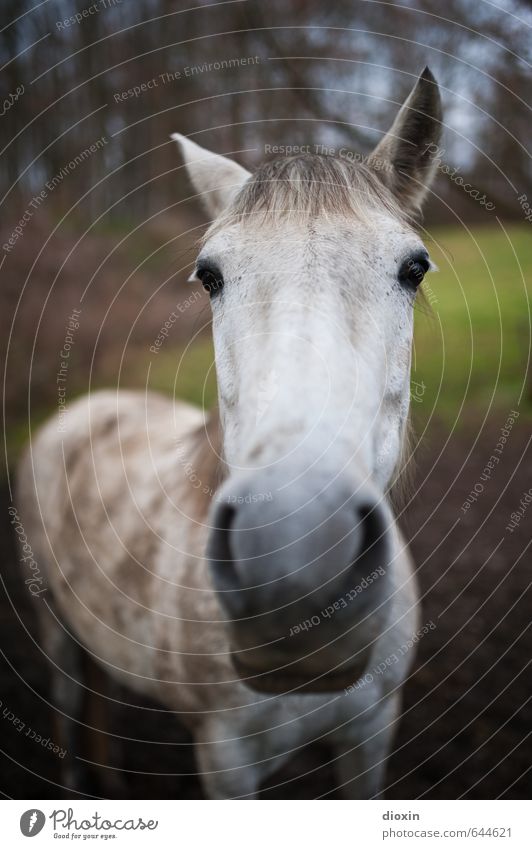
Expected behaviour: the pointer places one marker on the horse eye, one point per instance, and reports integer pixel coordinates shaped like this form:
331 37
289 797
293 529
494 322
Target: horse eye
413 270
211 280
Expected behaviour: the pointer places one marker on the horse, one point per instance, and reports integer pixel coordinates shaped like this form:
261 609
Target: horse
244 568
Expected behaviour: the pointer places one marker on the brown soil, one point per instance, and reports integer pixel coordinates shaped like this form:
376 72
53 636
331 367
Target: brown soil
468 704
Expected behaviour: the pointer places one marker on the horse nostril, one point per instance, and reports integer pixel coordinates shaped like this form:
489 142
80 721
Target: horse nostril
372 536
219 548
224 520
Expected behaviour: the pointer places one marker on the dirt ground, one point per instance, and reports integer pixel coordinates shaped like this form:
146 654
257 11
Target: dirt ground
467 714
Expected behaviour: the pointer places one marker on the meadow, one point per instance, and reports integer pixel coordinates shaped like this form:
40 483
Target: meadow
472 332
472 343
471 346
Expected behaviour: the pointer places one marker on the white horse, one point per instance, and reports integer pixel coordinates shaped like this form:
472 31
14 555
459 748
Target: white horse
246 571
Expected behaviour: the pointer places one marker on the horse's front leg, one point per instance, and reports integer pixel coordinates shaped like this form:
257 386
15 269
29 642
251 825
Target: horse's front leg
80 708
227 768
233 762
104 751
362 751
67 696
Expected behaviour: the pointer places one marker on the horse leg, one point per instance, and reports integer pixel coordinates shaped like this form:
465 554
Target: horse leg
233 766
81 698
105 751
67 698
224 772
361 754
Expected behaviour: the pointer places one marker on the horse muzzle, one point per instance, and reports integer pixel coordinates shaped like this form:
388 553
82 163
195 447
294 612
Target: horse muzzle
300 566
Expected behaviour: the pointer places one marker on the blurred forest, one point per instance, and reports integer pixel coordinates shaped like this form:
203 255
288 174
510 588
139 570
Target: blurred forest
326 73
96 210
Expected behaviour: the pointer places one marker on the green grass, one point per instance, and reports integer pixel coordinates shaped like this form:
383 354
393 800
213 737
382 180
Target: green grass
472 336
188 373
471 345
474 348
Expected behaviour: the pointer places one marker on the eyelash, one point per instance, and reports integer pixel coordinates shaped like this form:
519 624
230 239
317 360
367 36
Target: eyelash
211 280
413 270
411 273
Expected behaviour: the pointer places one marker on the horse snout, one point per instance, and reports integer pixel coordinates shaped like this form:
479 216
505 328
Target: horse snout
284 550
301 574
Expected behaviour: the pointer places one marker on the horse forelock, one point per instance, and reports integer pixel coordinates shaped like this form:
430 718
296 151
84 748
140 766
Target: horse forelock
310 185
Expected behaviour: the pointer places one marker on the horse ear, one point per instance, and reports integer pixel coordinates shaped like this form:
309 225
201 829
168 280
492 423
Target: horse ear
404 158
216 178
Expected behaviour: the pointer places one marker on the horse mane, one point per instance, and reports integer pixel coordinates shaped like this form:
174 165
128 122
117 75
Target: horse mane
401 486
206 461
